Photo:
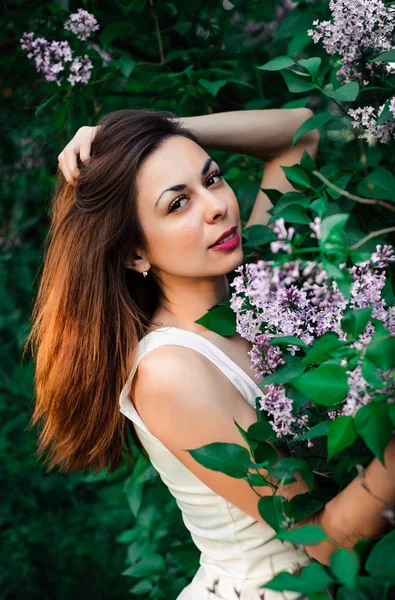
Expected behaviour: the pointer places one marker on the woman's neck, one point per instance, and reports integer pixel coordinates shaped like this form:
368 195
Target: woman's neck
186 300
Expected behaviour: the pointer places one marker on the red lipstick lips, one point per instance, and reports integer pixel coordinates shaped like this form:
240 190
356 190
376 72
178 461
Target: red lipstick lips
227 244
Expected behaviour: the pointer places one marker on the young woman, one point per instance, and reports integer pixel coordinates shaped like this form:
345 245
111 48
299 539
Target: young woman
142 238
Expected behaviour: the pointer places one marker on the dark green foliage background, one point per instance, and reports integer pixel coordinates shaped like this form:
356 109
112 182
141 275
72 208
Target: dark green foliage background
69 536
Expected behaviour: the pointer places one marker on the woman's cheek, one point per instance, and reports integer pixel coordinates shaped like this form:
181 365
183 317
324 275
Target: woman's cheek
189 239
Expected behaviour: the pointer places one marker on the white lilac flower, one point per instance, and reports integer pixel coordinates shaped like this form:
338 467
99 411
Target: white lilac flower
49 57
316 227
278 406
80 70
365 117
297 299
358 27
82 24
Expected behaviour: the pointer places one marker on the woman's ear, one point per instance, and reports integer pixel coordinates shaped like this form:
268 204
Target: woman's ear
139 263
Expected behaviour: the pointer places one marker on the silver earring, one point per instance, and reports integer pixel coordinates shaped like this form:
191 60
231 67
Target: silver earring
145 273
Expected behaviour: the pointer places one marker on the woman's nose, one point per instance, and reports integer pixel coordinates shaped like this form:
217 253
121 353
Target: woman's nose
214 206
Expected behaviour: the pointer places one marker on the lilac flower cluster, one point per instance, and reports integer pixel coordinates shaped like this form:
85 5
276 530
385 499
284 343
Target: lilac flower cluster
364 118
262 30
82 24
295 298
361 393
50 58
359 28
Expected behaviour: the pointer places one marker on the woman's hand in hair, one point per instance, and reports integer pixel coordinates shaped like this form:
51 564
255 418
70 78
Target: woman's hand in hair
80 145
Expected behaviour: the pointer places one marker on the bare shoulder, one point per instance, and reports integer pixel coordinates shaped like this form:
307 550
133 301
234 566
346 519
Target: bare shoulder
187 402
182 396
175 373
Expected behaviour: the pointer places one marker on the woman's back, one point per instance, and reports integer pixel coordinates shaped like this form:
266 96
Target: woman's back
236 547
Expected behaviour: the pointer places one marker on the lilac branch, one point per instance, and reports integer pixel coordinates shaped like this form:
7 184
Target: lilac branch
352 196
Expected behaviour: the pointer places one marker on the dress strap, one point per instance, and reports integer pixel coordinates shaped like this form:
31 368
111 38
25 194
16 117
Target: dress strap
188 339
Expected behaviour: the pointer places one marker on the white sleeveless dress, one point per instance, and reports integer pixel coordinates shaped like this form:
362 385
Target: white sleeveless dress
235 548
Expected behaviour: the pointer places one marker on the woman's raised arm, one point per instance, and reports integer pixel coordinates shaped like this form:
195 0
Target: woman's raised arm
265 134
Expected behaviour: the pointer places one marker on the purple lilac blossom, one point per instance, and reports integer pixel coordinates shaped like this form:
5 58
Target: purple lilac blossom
49 57
80 70
82 24
297 299
358 27
263 30
277 405
283 236
365 117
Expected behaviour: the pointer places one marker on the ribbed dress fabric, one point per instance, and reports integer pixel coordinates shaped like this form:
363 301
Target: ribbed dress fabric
235 548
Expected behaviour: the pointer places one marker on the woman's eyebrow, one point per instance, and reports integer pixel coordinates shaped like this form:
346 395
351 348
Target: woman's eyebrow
182 186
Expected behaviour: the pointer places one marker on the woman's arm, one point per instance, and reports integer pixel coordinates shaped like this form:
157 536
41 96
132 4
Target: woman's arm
265 134
357 512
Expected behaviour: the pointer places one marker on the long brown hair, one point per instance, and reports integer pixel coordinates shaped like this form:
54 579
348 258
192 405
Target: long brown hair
91 310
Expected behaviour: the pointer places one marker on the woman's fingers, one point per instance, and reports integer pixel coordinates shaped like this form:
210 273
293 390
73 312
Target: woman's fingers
80 145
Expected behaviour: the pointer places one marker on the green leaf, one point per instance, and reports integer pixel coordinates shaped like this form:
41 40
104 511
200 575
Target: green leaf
319 430
345 566
380 184
142 587
314 122
380 562
292 214
311 64
307 163
333 225
342 433
287 467
325 385
244 434
273 510
374 426
59 114
341 182
298 42
371 374
302 505
291 369
388 56
213 87
345 93
220 319
261 431
277 64
265 453
323 348
354 322
297 176
381 350
305 534
297 84
116 30
274 195
289 198
231 459
259 235
287 340
320 205
312 578
126 66
151 565
386 114
53 97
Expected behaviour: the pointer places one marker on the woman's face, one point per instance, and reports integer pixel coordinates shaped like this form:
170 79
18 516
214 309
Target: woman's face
181 225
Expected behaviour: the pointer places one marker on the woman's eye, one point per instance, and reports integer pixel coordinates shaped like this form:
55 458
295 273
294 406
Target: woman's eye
175 205
215 174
